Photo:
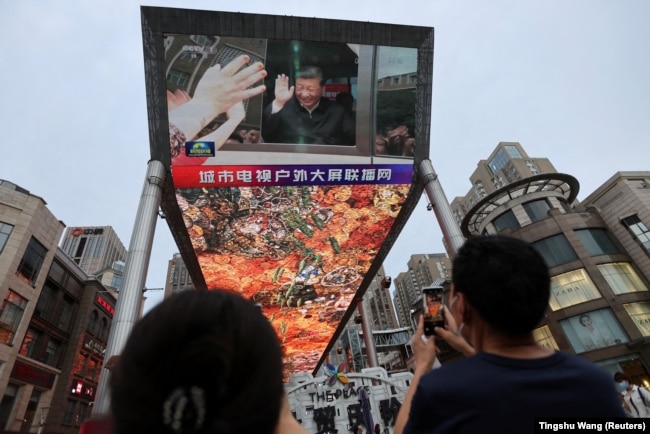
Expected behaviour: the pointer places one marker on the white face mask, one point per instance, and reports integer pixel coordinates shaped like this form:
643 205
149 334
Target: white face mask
462 324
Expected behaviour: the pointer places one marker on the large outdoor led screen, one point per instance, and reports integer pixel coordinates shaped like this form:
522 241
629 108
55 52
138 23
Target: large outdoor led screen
292 146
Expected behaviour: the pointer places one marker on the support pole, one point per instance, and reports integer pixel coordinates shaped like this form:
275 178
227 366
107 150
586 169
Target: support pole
367 335
127 309
450 230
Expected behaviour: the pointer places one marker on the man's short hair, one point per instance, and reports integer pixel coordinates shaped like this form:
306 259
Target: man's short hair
309 72
505 280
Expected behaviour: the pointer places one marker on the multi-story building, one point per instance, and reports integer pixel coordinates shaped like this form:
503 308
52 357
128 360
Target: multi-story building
508 163
600 299
93 248
69 332
380 314
178 278
54 322
111 277
379 303
423 270
29 233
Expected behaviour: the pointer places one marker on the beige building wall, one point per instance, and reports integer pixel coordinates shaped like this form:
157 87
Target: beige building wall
623 195
30 218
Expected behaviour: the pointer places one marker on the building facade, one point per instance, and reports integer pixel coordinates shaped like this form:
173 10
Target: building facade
600 299
379 303
423 270
54 322
93 248
29 233
178 278
508 163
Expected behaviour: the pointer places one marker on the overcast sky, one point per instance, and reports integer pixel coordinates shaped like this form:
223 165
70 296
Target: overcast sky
569 80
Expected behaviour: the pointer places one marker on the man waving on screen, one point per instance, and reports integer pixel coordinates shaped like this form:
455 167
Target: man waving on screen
299 114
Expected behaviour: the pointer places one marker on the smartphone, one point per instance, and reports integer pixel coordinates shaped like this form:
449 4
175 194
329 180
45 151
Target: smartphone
433 313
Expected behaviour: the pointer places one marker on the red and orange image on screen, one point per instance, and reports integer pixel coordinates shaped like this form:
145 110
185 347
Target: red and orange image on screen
301 252
433 302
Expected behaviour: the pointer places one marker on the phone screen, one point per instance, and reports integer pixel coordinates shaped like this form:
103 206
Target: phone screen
432 309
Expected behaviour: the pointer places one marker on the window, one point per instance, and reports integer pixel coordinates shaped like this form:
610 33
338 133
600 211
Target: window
30 264
633 224
69 412
597 242
46 302
556 250
65 313
103 329
51 356
544 337
31 344
572 288
202 40
91 372
537 209
178 78
79 364
92 322
593 330
5 231
498 161
13 307
98 247
507 220
38 346
621 277
116 281
190 56
640 314
7 404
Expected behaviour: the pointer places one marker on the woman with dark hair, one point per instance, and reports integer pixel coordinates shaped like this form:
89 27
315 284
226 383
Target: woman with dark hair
201 362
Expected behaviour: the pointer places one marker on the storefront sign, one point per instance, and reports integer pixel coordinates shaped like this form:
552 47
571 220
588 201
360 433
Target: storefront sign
32 375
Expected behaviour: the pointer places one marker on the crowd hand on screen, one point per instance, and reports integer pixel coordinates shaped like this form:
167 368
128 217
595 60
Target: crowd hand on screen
424 349
283 92
235 114
176 99
452 336
217 91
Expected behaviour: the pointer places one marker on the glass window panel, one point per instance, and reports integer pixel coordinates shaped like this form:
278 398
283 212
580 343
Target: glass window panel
30 264
65 314
11 314
79 364
544 337
52 352
640 314
31 343
91 373
638 230
507 220
5 231
572 288
621 277
92 322
593 330
69 412
597 242
513 151
537 209
46 302
556 250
